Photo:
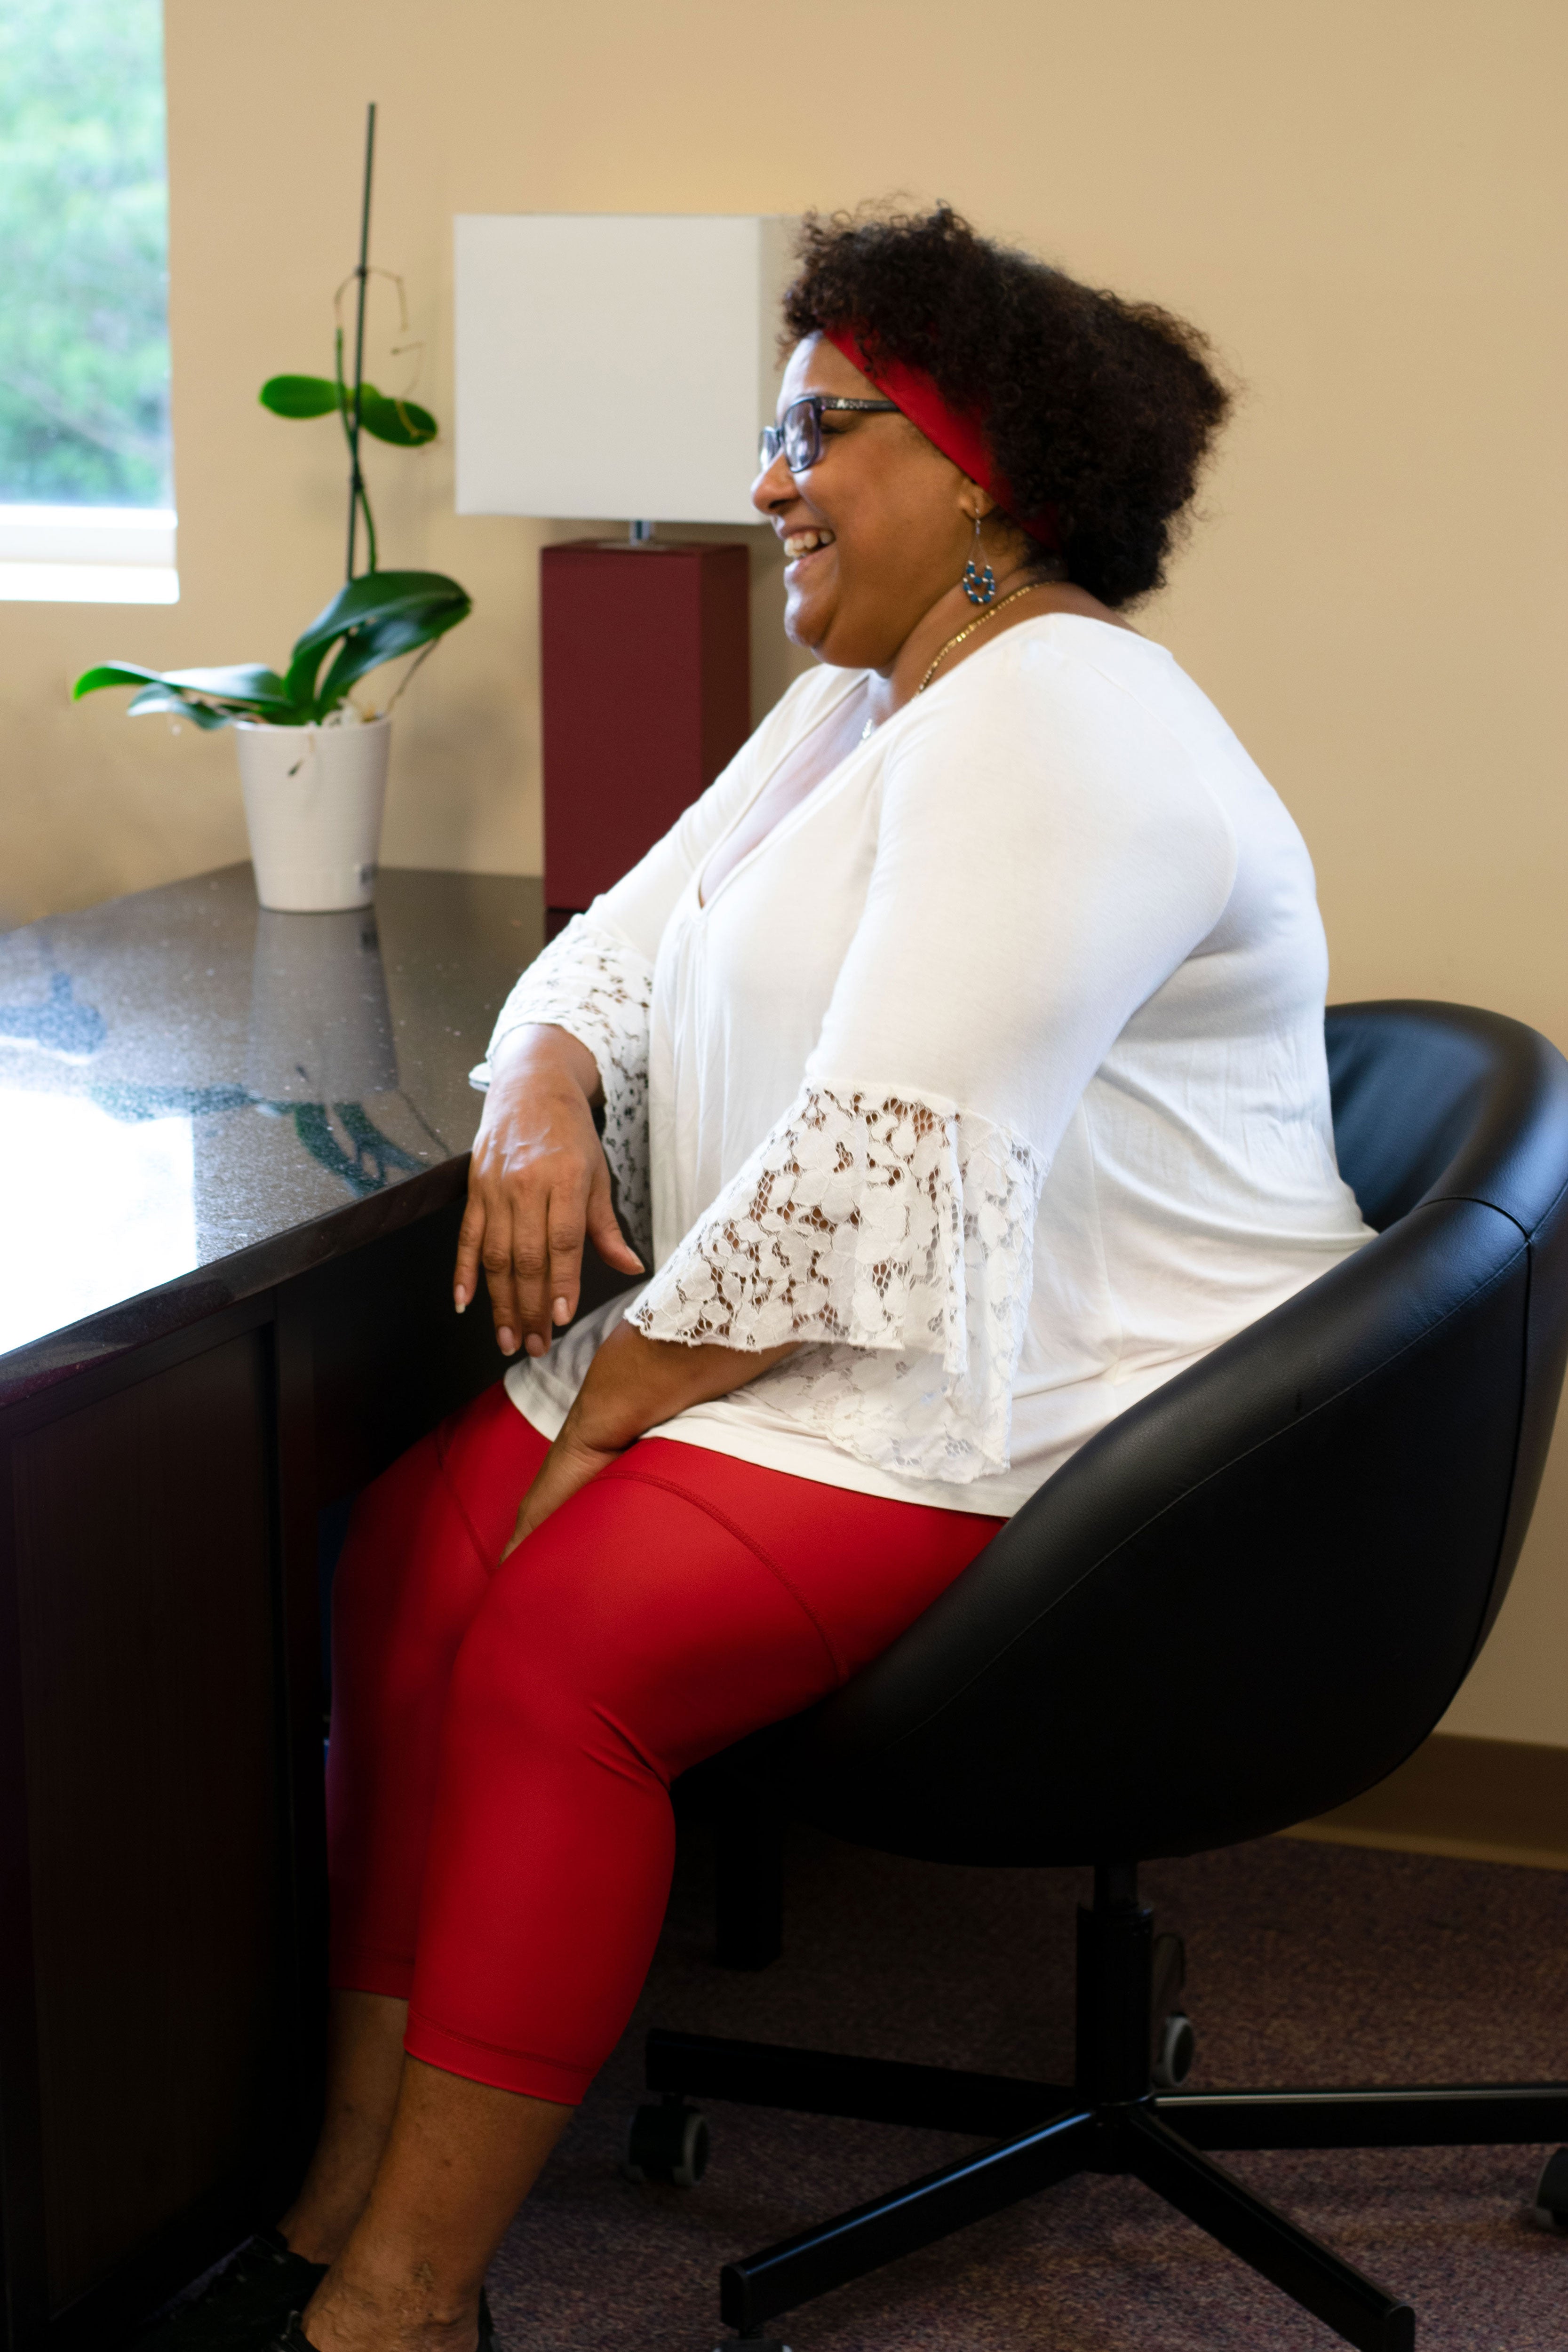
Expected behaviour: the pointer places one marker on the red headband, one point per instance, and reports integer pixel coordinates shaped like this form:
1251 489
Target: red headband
957 436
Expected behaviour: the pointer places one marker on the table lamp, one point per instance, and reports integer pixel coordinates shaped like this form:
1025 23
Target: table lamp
623 364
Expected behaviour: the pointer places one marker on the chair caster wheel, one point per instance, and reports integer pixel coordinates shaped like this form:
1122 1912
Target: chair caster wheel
1549 2206
1174 2052
667 2142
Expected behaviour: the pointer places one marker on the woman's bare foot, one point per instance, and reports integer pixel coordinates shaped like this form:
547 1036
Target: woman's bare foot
353 2314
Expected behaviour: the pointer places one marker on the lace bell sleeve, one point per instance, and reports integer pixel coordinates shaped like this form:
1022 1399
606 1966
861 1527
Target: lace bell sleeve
893 1235
597 984
1039 871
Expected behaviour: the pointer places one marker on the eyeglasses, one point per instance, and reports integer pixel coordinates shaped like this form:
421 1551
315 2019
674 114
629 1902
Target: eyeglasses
800 435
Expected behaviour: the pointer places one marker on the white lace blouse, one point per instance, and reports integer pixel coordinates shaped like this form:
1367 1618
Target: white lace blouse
994 1074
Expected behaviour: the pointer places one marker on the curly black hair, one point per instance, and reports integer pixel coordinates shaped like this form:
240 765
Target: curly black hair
1102 409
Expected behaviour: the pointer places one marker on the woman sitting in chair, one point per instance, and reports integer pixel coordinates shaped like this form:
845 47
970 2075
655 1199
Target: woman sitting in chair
960 1056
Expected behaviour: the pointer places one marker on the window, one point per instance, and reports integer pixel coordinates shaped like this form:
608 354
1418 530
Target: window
86 481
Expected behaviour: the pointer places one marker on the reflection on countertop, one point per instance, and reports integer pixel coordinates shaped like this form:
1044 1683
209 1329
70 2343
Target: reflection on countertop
192 1090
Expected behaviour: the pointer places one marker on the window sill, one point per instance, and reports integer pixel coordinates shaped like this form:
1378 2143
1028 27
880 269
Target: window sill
89 583
88 555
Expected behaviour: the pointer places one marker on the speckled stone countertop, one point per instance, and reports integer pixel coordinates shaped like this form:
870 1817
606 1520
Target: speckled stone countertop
199 1098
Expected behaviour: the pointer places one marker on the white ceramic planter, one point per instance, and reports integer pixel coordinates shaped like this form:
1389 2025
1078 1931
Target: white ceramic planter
313 802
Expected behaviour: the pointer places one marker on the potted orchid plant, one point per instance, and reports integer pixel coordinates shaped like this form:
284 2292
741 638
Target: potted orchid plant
314 763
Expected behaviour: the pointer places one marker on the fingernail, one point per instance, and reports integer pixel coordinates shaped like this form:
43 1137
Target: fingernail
561 1310
534 1344
460 1302
506 1342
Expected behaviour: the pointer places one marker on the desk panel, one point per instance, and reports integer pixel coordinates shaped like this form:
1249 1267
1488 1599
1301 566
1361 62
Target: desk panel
149 1671
267 1326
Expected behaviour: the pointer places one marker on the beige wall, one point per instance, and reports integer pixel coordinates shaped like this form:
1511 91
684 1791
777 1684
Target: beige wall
1362 204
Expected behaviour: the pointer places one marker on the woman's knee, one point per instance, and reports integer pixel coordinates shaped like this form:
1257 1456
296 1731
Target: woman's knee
534 1666
584 1646
632 1628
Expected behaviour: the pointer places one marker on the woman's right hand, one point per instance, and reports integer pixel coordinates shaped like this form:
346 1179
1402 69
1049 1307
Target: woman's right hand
538 1183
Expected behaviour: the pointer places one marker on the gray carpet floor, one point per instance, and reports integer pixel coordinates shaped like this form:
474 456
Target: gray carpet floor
1307 1964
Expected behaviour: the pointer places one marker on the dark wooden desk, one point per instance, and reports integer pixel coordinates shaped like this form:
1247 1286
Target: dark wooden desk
234 1150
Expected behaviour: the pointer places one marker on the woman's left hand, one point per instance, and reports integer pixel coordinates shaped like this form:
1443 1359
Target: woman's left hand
633 1384
571 1461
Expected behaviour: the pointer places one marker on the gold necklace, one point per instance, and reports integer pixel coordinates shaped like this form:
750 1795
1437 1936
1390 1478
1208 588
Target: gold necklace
1027 589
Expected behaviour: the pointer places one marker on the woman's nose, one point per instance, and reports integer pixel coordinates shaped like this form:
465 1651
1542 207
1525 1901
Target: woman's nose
774 486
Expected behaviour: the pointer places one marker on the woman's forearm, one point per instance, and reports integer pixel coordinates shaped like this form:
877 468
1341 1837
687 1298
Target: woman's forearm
633 1383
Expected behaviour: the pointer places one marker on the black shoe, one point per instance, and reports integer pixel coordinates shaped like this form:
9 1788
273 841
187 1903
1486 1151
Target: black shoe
294 2338
257 2292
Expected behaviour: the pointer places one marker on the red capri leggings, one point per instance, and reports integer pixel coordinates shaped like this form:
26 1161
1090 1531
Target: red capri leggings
504 1735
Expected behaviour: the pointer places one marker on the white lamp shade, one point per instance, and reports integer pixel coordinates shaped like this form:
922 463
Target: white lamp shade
615 364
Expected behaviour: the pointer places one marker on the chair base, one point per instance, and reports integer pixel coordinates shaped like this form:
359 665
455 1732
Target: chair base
1112 2120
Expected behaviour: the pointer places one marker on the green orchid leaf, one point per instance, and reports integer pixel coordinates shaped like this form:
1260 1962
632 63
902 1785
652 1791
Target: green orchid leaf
402 422
298 396
112 674
251 683
432 602
301 684
163 697
371 597
249 687
366 648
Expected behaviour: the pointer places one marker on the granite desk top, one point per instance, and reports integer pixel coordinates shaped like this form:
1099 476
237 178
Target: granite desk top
199 1098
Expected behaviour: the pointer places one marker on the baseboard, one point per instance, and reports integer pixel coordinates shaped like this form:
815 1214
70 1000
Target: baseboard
1476 1800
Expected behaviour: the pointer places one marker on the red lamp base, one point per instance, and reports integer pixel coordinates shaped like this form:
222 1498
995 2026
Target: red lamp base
647 693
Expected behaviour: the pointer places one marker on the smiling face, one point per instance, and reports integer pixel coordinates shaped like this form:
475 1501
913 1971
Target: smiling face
876 533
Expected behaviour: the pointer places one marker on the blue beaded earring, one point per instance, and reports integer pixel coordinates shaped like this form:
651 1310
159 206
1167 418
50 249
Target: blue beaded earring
979 580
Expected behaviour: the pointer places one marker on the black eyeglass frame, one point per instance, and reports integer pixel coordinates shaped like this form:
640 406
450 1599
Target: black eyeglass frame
807 433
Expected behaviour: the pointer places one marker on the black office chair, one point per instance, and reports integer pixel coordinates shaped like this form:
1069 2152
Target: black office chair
1247 1601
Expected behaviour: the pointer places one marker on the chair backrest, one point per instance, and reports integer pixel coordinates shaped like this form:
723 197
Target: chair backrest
1256 1592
